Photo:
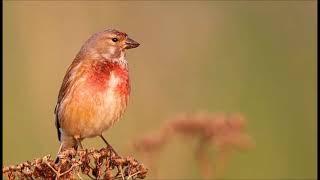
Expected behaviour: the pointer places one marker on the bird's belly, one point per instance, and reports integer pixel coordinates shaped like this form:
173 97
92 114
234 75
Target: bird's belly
91 113
106 114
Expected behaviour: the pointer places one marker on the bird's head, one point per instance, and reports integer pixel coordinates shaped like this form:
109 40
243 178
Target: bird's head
109 43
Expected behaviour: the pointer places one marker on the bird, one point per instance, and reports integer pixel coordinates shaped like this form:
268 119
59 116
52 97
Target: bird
95 90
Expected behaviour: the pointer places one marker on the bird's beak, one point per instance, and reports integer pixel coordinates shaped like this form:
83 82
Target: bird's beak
130 43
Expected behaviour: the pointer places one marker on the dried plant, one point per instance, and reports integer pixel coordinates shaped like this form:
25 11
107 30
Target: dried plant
225 133
95 164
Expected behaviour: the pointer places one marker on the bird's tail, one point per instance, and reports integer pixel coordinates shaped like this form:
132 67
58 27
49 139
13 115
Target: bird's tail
57 158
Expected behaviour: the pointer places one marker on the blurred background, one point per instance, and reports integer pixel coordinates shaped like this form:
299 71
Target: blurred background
256 58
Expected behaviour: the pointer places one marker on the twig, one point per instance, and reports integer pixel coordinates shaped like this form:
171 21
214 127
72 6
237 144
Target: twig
70 169
56 172
131 175
121 171
79 176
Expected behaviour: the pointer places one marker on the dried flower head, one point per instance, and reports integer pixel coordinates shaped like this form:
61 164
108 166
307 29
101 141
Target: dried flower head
96 164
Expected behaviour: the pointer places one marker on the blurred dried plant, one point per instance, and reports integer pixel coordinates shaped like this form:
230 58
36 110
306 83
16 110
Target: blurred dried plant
95 164
225 132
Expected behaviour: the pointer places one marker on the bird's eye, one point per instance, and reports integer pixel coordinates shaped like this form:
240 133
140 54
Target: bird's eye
114 39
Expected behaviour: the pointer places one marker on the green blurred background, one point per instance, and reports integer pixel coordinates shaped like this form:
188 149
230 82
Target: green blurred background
256 58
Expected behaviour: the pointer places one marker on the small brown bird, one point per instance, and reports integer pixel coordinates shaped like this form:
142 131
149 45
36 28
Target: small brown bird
95 90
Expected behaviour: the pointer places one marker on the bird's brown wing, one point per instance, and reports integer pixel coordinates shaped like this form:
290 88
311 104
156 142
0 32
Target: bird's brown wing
65 87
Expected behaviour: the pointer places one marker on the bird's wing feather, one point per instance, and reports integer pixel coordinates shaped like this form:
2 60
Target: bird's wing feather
65 87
